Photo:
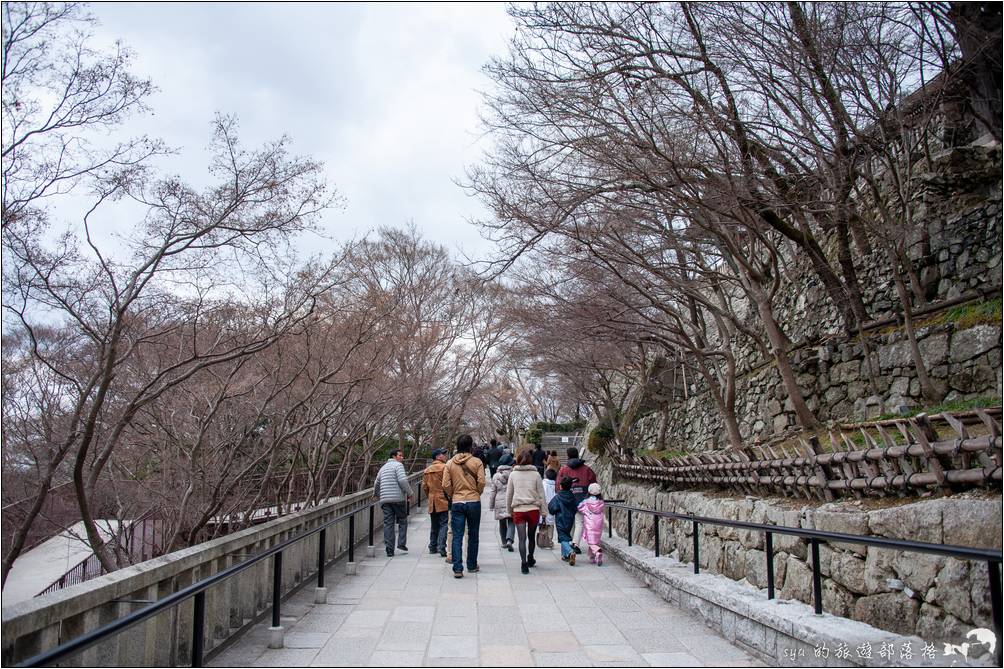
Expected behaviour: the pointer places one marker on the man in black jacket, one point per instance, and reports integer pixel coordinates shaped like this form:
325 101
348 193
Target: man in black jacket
539 459
494 455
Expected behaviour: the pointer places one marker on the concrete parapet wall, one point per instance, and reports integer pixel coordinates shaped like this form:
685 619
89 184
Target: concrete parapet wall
40 624
780 632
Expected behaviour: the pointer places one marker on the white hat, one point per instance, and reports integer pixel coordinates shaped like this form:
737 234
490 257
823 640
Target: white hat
594 488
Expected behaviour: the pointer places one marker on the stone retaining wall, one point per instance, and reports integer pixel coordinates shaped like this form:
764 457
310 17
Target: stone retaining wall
933 597
833 377
42 623
959 254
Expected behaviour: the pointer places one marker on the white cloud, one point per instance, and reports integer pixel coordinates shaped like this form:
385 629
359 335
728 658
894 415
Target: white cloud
385 95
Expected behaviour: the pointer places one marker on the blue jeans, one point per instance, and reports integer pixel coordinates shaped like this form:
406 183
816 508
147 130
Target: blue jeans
469 514
565 539
437 530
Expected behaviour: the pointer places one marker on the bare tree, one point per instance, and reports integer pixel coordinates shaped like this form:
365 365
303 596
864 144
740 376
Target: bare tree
59 94
115 306
728 139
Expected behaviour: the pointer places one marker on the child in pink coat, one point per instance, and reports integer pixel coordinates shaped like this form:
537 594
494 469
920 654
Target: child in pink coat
591 509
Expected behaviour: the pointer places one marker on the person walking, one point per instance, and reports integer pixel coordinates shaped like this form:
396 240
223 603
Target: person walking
480 452
497 502
545 534
439 505
494 455
394 492
539 458
592 509
563 508
463 482
552 463
525 501
576 468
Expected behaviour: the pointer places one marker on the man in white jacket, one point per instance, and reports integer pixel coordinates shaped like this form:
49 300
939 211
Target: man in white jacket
395 493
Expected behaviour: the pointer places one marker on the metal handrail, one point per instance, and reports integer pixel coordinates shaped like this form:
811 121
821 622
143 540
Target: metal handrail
991 557
197 590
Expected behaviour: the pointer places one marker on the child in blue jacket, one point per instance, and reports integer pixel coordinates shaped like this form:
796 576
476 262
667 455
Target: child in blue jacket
563 508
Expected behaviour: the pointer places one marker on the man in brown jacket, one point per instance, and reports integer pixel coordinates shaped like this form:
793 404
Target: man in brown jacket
439 505
463 482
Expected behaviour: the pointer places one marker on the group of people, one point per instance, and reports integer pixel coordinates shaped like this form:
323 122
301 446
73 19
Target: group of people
493 454
528 505
530 493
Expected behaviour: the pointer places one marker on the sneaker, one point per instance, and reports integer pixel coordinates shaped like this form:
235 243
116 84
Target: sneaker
442 553
599 560
390 553
432 551
403 549
571 559
564 558
575 547
475 569
458 574
448 558
524 568
508 546
530 562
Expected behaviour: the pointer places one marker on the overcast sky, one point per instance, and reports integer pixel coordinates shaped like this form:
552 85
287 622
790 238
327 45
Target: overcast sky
386 95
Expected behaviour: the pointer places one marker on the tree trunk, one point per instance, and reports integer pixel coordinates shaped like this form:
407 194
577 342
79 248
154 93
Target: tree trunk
22 531
779 349
726 410
927 387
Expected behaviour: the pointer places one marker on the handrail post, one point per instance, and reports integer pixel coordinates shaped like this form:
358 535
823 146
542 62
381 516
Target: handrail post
630 530
655 526
610 521
370 549
198 628
697 549
321 541
769 546
993 570
352 538
350 566
276 631
817 578
321 593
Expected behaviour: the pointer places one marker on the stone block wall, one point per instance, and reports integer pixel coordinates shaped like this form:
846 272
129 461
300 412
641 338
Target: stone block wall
933 597
834 379
961 253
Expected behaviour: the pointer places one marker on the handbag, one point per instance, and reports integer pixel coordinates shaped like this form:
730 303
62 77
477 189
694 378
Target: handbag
544 537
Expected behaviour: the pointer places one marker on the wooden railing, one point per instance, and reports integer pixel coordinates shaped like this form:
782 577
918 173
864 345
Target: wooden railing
884 457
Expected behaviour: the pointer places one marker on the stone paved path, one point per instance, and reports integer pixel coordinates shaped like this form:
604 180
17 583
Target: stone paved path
408 611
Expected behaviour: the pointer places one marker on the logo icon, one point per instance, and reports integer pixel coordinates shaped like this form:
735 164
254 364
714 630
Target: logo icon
980 636
984 637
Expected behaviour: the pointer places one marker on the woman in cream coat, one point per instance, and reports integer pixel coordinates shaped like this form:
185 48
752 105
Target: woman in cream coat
525 502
